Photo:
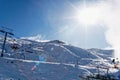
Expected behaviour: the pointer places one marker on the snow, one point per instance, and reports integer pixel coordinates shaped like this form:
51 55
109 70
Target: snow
53 60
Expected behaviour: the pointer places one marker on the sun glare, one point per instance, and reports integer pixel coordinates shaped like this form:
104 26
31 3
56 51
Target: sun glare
88 15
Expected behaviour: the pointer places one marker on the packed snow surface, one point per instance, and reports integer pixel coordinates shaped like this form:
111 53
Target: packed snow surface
52 60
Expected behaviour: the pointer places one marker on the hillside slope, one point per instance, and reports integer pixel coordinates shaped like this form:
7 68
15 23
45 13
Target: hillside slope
51 60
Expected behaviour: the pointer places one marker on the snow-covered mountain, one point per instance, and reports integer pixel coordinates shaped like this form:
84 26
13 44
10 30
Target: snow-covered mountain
26 59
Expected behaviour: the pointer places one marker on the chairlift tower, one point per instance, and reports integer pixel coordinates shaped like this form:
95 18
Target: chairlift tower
5 37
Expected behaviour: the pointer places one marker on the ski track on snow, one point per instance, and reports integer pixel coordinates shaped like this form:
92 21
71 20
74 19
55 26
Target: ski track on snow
66 50
55 63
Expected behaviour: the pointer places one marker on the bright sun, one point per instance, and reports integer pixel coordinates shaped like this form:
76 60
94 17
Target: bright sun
88 15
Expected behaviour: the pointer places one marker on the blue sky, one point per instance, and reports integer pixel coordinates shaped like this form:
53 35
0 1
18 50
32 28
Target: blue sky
51 19
30 17
25 17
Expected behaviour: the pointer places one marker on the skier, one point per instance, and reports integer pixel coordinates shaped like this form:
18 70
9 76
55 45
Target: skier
116 63
113 61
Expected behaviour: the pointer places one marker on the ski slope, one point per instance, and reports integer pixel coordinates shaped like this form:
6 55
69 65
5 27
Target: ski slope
53 60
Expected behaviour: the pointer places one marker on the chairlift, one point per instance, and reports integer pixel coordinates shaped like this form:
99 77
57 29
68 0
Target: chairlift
15 46
29 51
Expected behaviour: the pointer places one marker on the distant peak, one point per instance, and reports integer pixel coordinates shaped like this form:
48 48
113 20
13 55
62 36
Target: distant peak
57 42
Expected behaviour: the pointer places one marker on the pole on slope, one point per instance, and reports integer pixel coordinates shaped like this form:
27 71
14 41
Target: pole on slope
5 37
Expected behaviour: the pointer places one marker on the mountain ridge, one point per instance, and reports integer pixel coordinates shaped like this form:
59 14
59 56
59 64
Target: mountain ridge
61 61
